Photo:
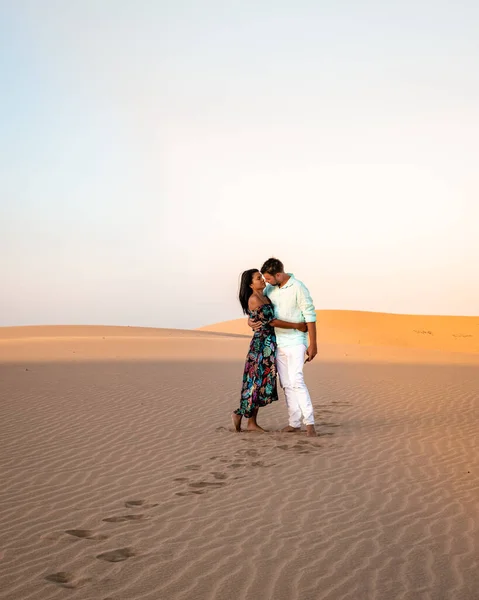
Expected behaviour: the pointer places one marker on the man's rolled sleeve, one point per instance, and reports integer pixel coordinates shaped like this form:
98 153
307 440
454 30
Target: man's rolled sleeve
306 305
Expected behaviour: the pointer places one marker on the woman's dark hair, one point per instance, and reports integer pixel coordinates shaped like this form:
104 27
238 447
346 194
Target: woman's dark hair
272 266
245 290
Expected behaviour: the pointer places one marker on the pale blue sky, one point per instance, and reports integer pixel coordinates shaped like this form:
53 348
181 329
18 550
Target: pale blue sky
151 151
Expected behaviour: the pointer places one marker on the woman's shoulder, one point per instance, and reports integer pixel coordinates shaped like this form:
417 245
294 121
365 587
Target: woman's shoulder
257 305
254 303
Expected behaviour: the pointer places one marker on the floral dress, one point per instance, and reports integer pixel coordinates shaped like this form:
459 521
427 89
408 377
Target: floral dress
259 377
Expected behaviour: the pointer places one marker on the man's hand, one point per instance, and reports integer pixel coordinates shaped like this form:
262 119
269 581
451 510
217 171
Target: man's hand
254 324
311 352
313 344
302 327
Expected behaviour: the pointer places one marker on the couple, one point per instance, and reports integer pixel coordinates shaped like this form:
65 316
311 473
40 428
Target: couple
281 312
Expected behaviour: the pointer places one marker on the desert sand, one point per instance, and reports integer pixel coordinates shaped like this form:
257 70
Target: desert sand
122 478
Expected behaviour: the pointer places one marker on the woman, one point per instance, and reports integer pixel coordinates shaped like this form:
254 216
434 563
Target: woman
259 378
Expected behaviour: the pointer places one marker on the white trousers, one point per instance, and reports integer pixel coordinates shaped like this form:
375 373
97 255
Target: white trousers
290 362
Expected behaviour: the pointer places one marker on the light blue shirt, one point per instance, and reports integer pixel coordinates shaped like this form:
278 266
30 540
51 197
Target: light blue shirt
292 303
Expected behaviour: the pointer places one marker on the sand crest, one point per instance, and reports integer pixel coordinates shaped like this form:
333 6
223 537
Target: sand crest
428 332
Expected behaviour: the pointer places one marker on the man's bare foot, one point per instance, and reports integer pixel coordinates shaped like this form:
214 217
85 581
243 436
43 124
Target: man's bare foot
311 431
255 427
290 429
236 420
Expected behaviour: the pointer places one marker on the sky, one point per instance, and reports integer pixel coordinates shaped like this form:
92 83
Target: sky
151 151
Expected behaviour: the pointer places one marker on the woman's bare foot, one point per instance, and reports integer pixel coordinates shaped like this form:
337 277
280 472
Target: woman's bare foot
311 431
252 424
254 427
290 429
236 420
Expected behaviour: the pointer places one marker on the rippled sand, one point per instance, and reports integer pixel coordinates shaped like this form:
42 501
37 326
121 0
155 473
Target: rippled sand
121 477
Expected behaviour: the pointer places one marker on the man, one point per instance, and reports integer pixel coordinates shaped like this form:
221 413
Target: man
292 302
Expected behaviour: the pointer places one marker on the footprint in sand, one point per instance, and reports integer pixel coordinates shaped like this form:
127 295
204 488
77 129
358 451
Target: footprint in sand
204 484
301 447
242 462
193 467
138 504
117 555
62 577
124 518
86 534
66 579
222 476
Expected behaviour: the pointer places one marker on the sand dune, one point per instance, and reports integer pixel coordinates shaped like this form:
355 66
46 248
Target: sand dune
80 343
122 480
451 334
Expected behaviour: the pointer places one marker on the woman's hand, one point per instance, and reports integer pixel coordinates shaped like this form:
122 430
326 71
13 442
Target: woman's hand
302 327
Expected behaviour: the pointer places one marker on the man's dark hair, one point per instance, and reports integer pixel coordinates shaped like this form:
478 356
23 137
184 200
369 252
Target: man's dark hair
272 266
